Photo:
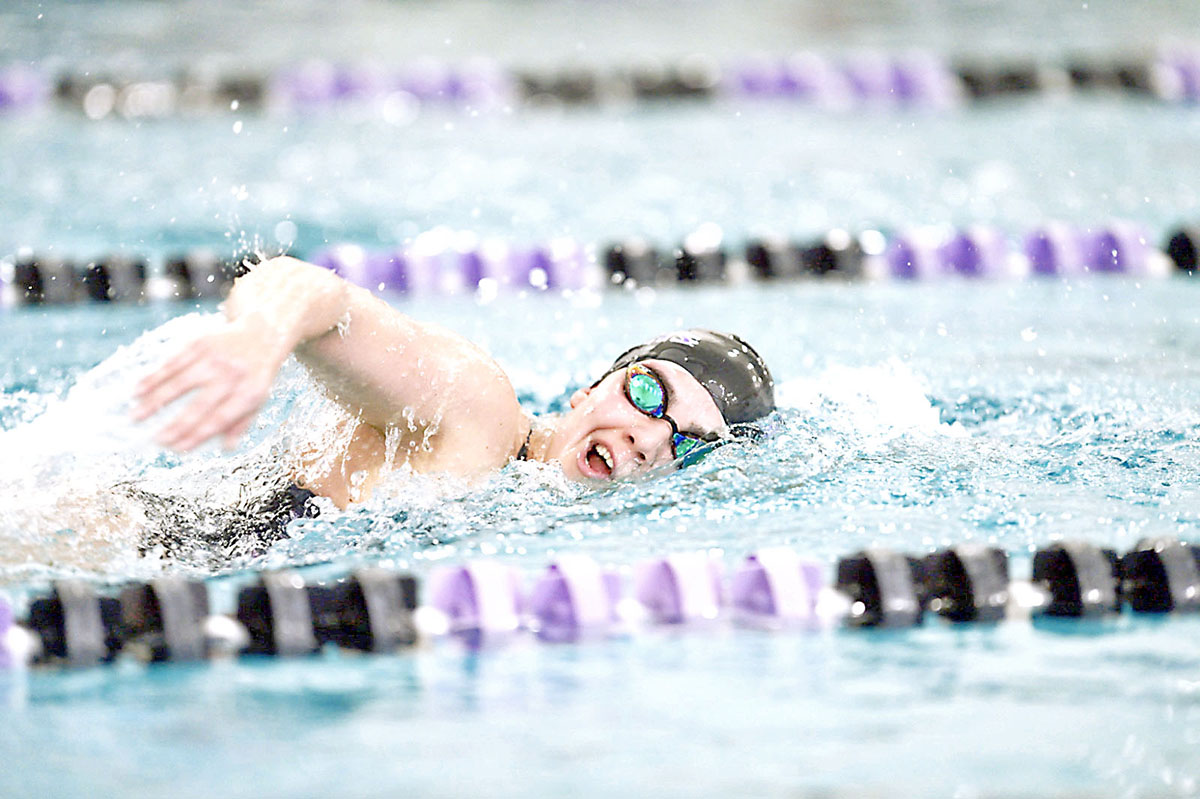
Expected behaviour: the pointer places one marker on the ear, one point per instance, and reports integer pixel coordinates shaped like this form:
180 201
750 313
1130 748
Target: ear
579 396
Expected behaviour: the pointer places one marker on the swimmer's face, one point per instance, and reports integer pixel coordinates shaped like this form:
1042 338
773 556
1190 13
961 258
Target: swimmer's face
605 437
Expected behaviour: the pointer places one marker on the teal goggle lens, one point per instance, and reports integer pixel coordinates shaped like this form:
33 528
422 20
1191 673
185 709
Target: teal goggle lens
691 451
649 395
646 393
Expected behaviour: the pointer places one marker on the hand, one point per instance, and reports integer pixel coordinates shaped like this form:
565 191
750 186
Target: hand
230 371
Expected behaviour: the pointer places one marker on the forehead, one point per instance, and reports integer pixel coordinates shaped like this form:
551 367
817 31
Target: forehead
691 406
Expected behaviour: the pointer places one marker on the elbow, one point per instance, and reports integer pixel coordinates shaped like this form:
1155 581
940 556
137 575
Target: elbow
303 298
286 272
287 266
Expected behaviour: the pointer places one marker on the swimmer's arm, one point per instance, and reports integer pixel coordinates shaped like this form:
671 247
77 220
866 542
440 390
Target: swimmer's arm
270 311
395 373
383 367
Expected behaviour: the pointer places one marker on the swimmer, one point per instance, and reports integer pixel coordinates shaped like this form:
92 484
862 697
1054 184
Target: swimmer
426 398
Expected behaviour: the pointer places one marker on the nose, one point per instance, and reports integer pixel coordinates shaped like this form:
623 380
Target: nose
650 440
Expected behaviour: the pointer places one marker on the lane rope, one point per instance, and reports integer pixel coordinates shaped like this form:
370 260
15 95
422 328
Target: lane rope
444 263
855 80
576 598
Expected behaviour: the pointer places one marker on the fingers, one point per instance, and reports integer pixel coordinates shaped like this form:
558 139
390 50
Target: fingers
227 382
164 385
202 414
222 410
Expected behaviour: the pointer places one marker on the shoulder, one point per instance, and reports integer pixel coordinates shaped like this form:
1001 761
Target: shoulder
481 426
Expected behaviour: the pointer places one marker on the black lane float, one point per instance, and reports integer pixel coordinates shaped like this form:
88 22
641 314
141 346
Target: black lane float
377 611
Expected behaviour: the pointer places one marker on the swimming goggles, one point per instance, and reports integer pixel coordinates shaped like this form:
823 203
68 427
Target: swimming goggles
646 391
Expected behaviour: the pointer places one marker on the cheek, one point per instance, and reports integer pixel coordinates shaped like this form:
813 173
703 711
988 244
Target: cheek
603 410
583 418
577 426
594 413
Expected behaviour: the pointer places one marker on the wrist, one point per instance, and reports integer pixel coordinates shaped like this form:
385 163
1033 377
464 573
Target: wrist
268 335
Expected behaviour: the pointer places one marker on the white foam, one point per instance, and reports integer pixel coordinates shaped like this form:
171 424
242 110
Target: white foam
877 403
91 429
61 471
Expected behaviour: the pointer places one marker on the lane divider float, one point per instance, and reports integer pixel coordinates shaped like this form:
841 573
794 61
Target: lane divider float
861 79
32 280
441 262
575 598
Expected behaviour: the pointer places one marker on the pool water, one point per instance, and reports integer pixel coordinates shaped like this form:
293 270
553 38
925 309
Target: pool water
303 183
1065 410
913 416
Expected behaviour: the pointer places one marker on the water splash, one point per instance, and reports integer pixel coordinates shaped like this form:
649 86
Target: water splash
88 490
856 454
91 492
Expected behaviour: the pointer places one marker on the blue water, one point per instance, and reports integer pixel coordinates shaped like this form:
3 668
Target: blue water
302 183
1068 409
912 416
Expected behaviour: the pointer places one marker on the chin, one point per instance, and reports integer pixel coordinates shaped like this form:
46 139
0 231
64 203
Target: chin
573 474
569 469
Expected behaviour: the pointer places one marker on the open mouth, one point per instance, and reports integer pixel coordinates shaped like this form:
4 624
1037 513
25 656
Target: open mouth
599 462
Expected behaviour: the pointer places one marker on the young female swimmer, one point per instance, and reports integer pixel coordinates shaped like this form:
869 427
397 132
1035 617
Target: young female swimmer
440 402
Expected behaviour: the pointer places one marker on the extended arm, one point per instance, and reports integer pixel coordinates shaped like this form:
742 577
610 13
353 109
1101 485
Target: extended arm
270 310
385 368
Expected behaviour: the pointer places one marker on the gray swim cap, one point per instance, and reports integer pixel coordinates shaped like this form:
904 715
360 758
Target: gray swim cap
730 370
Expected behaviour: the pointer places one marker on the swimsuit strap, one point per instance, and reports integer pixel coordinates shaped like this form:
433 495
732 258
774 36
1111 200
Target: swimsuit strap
523 453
